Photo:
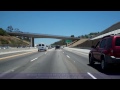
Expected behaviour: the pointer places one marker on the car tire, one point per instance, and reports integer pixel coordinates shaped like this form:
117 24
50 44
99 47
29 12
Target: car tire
104 65
91 60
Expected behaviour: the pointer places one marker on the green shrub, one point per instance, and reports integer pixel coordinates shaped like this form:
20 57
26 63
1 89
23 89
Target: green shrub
3 32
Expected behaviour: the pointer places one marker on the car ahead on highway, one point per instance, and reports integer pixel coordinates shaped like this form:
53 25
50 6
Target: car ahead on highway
106 51
57 47
42 47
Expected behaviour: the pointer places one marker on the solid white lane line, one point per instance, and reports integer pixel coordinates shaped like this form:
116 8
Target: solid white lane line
11 70
34 59
91 75
67 56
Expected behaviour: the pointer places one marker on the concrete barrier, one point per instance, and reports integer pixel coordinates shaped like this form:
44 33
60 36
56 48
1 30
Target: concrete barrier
86 51
17 51
14 50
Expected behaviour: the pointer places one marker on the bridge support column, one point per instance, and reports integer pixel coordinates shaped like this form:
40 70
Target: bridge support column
66 44
32 42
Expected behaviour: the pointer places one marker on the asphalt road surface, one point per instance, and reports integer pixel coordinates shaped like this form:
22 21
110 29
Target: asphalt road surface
52 64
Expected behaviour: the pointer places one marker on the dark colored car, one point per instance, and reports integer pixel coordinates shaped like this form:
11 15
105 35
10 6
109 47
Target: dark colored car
106 51
57 47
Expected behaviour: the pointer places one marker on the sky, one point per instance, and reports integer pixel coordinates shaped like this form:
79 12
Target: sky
65 23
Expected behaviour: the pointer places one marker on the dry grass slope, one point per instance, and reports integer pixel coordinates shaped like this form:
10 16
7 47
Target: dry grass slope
12 40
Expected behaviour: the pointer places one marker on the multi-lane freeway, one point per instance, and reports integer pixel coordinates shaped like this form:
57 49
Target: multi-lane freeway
53 64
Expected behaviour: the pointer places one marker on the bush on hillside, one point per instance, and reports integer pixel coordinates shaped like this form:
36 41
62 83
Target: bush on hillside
3 32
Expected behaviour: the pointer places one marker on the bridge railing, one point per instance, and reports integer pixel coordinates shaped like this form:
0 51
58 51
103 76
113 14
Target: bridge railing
42 35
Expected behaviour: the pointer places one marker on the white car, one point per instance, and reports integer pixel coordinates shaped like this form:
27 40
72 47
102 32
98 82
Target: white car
41 47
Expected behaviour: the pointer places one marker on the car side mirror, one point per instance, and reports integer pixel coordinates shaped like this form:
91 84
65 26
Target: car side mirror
92 46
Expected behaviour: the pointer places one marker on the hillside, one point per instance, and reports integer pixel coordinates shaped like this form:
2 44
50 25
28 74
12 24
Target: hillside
6 39
109 29
11 40
89 43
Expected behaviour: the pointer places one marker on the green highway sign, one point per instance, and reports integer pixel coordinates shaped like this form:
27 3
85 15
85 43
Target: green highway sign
68 41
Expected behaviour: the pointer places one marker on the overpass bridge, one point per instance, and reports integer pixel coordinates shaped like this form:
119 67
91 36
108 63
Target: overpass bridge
35 35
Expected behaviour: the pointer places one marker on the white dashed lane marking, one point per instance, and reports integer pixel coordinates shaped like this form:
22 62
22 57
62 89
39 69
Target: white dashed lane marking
91 75
67 56
34 59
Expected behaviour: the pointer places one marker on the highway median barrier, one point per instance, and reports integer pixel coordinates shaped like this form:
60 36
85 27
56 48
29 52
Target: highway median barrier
85 51
7 51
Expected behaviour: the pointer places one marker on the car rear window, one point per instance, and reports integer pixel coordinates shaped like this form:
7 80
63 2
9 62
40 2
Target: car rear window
117 42
57 46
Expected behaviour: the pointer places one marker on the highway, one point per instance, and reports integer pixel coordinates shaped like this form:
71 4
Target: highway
52 64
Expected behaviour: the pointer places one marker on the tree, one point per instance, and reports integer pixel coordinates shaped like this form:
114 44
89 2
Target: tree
16 30
9 29
27 39
3 32
81 36
86 36
78 36
72 35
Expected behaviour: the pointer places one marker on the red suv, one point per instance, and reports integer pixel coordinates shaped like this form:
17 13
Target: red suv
106 51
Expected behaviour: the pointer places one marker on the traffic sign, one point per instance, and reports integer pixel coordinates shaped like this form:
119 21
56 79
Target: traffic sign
68 41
